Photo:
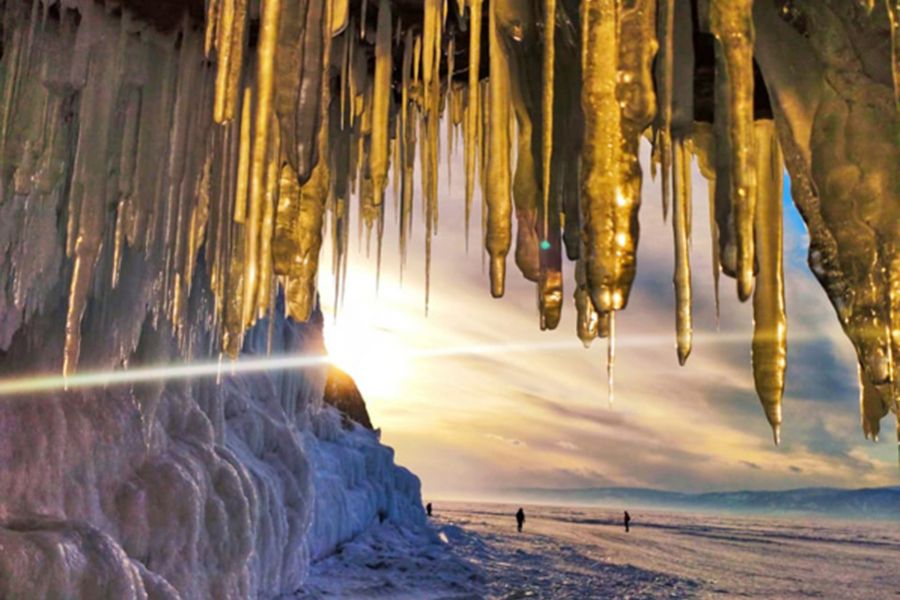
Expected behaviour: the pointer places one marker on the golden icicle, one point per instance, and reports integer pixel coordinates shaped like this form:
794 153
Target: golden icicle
473 112
430 26
381 102
300 293
266 272
224 32
609 245
769 318
212 18
235 59
681 186
872 407
268 38
549 65
340 16
499 202
587 325
636 48
666 81
732 23
243 174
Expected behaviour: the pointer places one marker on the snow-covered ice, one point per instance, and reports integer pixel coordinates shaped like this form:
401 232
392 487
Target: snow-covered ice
474 551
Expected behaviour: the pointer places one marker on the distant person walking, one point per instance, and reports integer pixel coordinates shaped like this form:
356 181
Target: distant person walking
428 508
627 520
520 518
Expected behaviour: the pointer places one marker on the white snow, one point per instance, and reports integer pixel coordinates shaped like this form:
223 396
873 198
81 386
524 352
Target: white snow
474 551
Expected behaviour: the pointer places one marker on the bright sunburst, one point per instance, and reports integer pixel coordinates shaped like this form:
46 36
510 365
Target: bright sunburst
366 345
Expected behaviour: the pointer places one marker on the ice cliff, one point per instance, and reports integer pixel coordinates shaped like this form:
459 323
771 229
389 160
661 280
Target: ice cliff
192 489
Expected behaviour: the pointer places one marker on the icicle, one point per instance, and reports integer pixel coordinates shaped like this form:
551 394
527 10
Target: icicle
231 55
266 271
732 23
243 175
89 184
340 16
381 103
315 53
396 170
681 185
408 151
549 66
224 30
769 318
268 38
666 85
300 293
499 205
587 326
430 27
473 110
606 212
872 408
636 48
212 18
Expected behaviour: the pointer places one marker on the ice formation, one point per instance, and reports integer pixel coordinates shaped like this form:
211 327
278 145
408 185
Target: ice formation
169 169
251 156
187 162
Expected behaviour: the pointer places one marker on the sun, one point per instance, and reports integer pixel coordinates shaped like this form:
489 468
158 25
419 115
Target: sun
370 351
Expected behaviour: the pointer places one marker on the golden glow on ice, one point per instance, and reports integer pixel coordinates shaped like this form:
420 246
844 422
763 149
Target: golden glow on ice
314 110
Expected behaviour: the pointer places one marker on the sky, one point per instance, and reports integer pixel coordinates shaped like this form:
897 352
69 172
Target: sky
476 400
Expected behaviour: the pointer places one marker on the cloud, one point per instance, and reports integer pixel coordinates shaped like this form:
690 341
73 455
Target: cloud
751 465
505 440
566 445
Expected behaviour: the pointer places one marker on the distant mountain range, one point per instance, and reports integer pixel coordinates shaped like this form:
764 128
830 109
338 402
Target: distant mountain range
869 503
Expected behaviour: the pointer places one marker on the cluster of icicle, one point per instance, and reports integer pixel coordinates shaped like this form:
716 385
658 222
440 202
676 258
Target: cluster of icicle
312 104
547 77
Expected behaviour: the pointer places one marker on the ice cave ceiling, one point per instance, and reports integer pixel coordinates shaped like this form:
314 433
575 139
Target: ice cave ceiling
216 148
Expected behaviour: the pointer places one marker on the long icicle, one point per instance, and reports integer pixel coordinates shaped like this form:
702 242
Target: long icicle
498 192
549 64
681 186
264 85
473 112
732 23
381 102
769 318
606 215
666 80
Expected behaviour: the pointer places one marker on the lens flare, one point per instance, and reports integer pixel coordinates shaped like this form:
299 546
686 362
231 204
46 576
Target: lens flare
171 372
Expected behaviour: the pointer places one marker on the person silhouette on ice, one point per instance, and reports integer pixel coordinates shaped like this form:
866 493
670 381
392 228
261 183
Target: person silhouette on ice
520 518
627 521
428 508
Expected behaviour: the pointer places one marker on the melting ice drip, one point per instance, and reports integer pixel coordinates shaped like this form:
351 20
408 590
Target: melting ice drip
317 101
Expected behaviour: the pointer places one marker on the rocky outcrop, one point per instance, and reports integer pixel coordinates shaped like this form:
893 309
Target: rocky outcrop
341 392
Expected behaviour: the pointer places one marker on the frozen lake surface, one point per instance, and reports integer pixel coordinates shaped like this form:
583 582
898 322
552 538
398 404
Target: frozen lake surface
474 551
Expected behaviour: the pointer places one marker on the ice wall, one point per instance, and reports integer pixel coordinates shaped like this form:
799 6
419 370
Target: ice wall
191 489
